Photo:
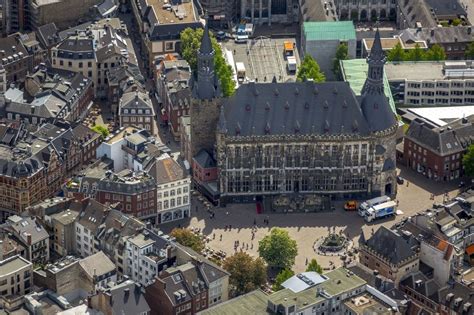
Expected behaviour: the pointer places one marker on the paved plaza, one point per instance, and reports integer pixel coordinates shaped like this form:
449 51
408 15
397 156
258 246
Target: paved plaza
307 228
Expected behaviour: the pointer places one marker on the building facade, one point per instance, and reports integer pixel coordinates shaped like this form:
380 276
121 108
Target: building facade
269 11
310 141
136 110
16 280
366 10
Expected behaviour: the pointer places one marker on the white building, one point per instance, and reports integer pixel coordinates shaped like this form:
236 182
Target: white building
447 83
143 257
173 189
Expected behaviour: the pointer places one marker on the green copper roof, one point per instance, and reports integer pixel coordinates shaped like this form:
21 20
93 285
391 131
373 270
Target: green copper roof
340 30
354 72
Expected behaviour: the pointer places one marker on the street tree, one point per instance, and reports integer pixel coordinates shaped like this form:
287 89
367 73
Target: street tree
397 53
468 161
436 53
470 51
416 54
278 249
282 276
314 266
187 238
309 70
246 273
342 53
190 43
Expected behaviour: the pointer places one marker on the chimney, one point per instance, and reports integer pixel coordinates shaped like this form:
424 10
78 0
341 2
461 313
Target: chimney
432 32
28 239
1 250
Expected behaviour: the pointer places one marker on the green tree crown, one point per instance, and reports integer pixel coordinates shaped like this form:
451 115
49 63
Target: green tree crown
278 249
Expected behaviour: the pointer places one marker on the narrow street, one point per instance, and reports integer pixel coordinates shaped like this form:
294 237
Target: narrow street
160 132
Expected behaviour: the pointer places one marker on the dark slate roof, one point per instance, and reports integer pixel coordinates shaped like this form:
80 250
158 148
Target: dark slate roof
295 108
92 214
421 284
48 35
204 159
170 31
459 291
136 100
392 246
441 35
451 138
128 298
443 7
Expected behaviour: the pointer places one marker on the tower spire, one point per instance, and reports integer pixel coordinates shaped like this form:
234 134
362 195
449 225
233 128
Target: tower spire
222 127
206 44
206 82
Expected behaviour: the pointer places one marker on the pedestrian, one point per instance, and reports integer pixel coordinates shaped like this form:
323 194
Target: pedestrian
213 236
221 237
408 183
251 246
254 221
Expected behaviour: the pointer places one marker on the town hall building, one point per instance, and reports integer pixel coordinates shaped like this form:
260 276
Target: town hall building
295 145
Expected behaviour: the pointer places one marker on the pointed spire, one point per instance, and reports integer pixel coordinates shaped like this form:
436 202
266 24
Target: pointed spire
274 80
222 121
362 238
206 45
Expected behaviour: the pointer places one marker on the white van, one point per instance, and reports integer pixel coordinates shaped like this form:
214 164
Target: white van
241 39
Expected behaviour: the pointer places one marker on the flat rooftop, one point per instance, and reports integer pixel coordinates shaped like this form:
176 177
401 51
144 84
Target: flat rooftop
119 135
414 71
13 264
169 14
334 30
254 302
441 116
367 304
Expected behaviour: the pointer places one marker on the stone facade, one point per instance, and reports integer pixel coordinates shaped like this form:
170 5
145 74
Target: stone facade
366 10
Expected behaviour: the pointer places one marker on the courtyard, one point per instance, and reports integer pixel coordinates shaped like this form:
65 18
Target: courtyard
306 228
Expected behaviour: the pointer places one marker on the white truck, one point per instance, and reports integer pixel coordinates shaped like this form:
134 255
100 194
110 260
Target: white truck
291 64
240 69
380 211
363 207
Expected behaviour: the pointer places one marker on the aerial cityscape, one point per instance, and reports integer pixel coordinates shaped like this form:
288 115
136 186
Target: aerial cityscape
237 157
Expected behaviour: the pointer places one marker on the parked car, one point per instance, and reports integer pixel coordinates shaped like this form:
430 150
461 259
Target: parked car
220 35
400 180
351 205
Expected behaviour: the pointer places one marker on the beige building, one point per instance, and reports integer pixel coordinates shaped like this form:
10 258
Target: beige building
393 255
63 229
15 280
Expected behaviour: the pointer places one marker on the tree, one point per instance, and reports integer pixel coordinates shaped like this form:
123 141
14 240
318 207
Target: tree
246 273
190 43
435 53
278 249
187 238
102 130
470 51
468 161
416 54
342 53
309 69
314 266
282 276
456 22
397 53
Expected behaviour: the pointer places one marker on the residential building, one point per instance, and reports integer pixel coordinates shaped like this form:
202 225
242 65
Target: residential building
77 278
15 59
94 50
45 12
454 40
330 293
188 288
99 270
173 87
366 10
15 281
432 83
37 162
49 96
63 231
122 79
31 235
172 190
123 298
160 25
136 110
429 296
259 119
392 254
320 40
390 43
9 247
273 11
89 141
436 152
